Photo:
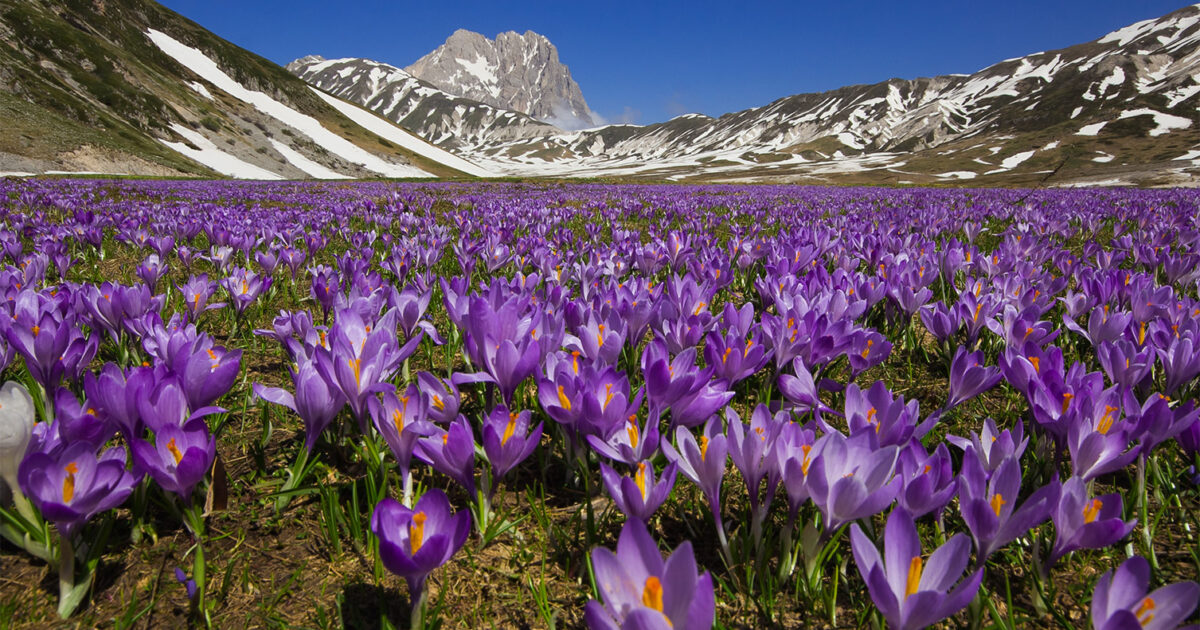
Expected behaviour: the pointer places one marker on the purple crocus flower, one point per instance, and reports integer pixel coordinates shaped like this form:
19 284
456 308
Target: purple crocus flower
628 443
733 360
849 480
702 462
73 485
244 287
1181 363
1123 363
640 589
752 449
584 400
990 507
315 400
992 446
205 371
800 390
361 355
1102 441
887 420
639 495
115 394
51 347
443 397
151 270
451 452
1120 602
413 542
929 481
909 591
1081 522
508 439
188 583
179 457
196 294
80 423
969 377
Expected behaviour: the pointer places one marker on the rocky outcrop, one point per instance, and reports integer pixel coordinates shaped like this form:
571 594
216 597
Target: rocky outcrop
513 71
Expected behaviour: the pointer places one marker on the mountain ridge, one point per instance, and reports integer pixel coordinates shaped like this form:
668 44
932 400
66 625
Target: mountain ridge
1140 83
515 71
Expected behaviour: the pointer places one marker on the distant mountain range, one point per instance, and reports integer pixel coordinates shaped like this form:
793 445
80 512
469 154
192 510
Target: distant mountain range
1120 109
127 86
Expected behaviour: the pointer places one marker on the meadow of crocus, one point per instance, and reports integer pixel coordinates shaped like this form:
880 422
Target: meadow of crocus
534 405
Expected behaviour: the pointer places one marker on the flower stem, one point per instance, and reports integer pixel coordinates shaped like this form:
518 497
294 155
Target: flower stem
66 575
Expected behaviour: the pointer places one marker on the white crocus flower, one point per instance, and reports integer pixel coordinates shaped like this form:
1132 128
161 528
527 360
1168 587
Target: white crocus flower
16 426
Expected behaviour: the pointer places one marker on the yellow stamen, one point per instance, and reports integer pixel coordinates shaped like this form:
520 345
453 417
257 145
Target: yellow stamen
356 365
699 307
563 401
174 451
640 478
1037 364
997 502
398 420
508 430
608 396
1106 421
703 447
69 482
574 365
806 449
867 350
1092 510
746 352
1142 334
652 594
632 430
914 577
416 532
1144 609
36 330
1067 396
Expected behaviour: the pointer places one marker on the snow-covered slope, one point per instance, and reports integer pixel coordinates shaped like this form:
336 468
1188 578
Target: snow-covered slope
449 121
207 69
128 86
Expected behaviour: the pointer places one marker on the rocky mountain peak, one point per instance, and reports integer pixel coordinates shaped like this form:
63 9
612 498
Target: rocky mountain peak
520 72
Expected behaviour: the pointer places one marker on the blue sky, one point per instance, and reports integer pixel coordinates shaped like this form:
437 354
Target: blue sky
648 61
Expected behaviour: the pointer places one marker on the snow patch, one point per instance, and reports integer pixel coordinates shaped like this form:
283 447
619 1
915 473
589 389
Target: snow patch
1183 92
1092 129
200 89
1116 78
209 155
1075 112
301 162
849 140
481 70
1103 158
1050 146
1013 161
958 175
1164 123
